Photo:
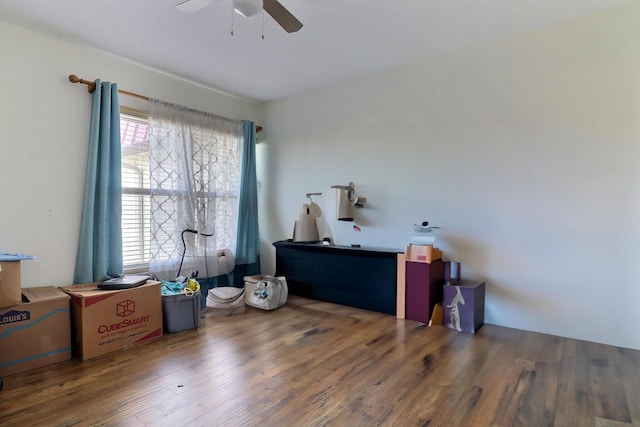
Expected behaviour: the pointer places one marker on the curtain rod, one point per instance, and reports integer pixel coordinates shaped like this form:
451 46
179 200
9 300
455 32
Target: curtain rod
91 87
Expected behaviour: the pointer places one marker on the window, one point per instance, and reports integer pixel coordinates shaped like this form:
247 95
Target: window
134 136
214 170
196 165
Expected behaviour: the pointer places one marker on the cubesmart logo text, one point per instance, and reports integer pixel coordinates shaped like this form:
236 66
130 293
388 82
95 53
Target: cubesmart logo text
124 309
14 316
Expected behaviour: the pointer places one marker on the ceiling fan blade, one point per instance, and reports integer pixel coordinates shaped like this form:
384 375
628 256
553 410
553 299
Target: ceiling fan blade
282 16
192 6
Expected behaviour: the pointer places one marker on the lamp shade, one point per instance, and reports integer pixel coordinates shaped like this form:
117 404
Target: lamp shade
247 8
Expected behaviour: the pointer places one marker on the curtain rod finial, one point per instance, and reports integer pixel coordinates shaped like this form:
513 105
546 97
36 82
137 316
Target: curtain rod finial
91 86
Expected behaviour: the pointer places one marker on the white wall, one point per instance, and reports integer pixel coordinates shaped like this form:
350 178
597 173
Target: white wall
43 138
526 151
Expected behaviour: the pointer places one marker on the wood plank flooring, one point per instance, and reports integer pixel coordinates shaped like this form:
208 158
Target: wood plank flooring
318 364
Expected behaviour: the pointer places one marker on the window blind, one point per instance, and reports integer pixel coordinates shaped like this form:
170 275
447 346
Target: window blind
134 135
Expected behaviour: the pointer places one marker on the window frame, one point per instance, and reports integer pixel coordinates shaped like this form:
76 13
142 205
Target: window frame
143 243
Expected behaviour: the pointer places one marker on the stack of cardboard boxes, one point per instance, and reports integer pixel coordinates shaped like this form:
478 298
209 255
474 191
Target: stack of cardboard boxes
40 326
34 322
430 292
420 283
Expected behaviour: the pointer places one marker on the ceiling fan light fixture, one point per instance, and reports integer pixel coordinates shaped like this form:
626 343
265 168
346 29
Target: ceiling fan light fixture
247 8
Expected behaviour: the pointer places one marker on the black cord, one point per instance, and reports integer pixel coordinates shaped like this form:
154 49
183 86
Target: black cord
184 246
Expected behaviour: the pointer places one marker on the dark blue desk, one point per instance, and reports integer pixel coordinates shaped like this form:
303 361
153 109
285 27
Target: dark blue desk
363 277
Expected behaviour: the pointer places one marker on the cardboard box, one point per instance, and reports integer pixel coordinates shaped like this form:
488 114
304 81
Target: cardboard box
35 333
10 278
464 306
106 321
423 253
423 289
10 283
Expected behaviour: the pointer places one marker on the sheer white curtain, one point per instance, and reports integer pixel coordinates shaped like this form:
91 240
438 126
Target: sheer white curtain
195 163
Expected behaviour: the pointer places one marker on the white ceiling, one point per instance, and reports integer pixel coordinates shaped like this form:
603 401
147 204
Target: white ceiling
340 40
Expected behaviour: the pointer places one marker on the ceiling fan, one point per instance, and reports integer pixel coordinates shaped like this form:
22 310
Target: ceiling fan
249 8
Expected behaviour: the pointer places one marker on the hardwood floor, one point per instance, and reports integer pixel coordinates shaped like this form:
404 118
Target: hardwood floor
313 364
